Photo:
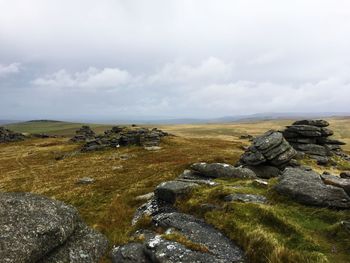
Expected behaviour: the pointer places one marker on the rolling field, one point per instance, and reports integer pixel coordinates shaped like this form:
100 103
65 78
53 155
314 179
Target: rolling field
52 167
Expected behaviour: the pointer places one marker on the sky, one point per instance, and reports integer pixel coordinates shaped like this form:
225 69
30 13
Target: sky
119 59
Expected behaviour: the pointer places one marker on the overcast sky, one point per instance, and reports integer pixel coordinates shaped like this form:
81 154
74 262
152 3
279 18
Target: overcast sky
110 59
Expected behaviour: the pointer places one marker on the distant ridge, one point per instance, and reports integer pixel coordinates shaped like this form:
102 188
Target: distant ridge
44 121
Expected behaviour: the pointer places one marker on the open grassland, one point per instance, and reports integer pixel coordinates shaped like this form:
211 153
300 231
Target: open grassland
281 231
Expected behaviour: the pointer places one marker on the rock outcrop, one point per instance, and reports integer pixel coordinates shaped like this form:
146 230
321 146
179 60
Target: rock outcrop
313 138
84 134
307 187
35 228
10 136
121 136
213 245
269 149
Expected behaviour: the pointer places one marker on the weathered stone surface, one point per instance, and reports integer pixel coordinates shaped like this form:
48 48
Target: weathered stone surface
321 160
35 228
312 149
85 245
10 136
318 123
222 170
86 180
196 230
306 187
303 130
325 140
246 198
270 148
171 190
265 171
345 175
129 253
337 181
152 207
85 133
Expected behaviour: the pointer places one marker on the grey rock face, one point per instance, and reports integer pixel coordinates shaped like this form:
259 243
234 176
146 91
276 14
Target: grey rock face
270 148
10 136
171 190
312 138
307 187
317 123
196 230
33 227
85 133
222 170
337 181
246 198
129 253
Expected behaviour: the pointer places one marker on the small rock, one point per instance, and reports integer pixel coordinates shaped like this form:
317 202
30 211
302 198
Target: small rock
337 181
86 180
119 167
246 198
145 197
259 182
152 148
265 171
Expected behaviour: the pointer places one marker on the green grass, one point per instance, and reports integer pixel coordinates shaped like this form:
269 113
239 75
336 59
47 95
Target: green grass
280 231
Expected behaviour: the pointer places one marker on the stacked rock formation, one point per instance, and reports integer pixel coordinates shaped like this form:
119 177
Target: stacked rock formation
85 133
269 149
10 136
119 136
313 138
35 228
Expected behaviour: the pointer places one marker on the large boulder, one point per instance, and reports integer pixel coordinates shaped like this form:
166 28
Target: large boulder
307 187
271 149
337 181
265 171
38 229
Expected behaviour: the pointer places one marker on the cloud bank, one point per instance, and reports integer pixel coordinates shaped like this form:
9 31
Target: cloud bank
120 59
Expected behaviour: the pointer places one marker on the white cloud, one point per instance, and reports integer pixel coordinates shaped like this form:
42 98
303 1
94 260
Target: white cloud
12 68
92 78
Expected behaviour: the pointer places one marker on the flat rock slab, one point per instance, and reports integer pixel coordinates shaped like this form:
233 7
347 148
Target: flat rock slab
35 228
171 190
337 181
317 123
197 231
86 180
222 170
307 187
246 198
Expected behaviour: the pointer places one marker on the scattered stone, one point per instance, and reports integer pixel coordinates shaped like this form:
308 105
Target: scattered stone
35 228
259 182
86 180
345 174
337 181
246 137
222 170
246 198
307 187
118 167
152 148
172 190
10 136
270 148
